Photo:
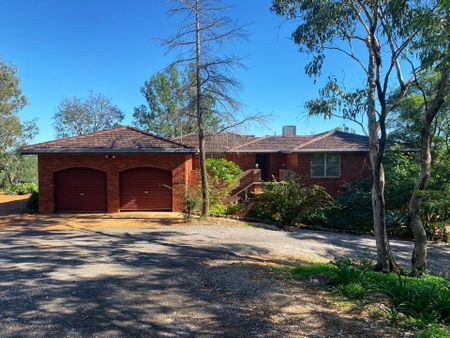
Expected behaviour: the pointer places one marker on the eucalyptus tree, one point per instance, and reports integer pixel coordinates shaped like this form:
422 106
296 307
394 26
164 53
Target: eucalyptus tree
433 47
77 116
13 131
378 36
170 96
203 37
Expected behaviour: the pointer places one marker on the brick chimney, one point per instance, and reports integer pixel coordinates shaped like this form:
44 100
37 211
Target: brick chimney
289 131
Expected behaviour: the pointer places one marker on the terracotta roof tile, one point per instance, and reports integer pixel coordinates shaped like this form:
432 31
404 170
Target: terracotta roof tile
120 139
220 142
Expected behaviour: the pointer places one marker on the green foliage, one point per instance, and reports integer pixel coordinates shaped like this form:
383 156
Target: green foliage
22 188
349 271
77 116
308 270
171 100
18 169
222 178
190 201
291 202
234 208
14 133
353 290
33 203
353 204
426 299
434 331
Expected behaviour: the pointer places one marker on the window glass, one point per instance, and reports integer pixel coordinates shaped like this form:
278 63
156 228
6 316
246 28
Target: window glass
317 165
325 165
333 164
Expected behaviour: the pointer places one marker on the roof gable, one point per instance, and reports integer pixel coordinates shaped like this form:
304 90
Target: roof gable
121 139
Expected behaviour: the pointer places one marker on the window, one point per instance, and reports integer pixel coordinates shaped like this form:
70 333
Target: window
325 165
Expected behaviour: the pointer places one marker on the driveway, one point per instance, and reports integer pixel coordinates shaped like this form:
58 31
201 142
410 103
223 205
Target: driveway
84 275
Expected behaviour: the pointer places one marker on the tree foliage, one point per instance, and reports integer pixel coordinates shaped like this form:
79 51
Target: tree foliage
13 132
77 116
222 178
381 37
170 97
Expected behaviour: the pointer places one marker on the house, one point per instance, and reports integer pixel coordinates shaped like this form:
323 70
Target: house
124 169
329 159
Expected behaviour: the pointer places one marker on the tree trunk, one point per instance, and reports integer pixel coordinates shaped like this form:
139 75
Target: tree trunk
385 260
419 256
201 136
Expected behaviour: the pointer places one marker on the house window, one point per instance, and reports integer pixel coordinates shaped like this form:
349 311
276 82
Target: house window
325 165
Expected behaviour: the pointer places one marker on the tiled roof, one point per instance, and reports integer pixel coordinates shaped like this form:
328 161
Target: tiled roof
273 144
121 140
336 141
220 142
234 143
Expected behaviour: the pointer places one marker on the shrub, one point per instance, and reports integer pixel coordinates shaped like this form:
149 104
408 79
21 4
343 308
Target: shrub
234 208
33 203
353 207
22 188
290 202
353 290
222 178
434 331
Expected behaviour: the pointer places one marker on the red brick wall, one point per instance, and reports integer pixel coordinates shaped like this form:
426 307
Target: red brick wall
354 166
179 164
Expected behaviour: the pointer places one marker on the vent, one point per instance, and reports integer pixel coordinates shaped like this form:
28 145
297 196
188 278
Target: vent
289 130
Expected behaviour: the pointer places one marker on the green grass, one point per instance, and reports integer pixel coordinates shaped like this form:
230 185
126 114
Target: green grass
424 301
310 270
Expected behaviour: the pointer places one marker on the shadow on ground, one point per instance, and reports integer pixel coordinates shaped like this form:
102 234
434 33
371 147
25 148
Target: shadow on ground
88 282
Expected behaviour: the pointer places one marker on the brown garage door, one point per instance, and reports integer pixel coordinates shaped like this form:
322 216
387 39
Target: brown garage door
145 189
80 190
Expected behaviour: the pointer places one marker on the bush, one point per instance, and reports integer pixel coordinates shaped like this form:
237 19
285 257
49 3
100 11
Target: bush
434 331
290 202
22 188
222 178
425 299
353 290
33 203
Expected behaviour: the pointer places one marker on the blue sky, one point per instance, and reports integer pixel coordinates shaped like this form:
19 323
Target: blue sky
67 48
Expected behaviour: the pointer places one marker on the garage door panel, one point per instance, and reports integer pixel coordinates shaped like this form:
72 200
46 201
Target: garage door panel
80 190
145 189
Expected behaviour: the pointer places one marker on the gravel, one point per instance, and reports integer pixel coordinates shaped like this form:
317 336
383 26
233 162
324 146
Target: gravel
204 280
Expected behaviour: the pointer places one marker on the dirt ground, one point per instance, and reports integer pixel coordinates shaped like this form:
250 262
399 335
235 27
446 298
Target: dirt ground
12 204
151 274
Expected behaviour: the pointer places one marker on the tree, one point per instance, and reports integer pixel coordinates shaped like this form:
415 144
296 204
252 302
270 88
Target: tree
435 45
13 132
201 39
76 116
170 97
377 35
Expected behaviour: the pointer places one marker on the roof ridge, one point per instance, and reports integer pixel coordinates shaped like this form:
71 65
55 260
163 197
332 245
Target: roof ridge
250 142
156 136
316 138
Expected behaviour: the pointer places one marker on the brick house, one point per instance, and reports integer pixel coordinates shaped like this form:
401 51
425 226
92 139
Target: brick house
125 169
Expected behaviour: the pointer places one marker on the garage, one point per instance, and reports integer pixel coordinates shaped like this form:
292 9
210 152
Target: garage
80 190
145 188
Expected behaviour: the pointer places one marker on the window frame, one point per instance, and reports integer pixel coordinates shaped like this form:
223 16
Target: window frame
325 166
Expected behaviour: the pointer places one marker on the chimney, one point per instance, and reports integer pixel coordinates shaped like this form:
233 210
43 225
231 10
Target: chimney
289 130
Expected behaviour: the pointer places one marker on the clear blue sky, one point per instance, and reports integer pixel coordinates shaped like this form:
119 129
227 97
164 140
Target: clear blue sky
66 48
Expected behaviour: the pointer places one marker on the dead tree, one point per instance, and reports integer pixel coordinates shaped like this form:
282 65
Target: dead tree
202 38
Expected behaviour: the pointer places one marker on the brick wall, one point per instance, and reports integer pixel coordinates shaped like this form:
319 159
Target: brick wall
354 166
179 164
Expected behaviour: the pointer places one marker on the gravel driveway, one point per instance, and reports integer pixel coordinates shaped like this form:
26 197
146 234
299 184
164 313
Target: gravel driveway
176 280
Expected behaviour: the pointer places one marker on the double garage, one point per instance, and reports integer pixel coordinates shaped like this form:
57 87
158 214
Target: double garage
115 170
83 189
